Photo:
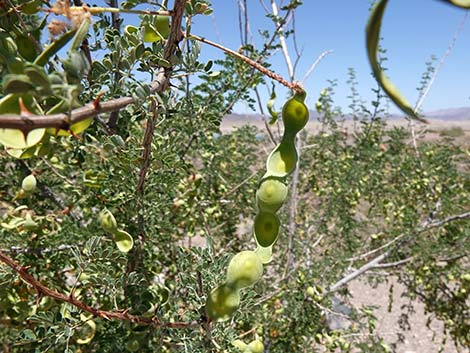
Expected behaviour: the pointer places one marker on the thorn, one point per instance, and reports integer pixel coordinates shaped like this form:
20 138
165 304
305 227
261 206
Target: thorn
74 134
96 102
103 315
66 210
38 298
24 112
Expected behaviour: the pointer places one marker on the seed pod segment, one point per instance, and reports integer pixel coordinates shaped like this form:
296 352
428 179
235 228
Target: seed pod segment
123 240
281 162
244 269
222 302
266 228
295 114
29 183
108 222
270 195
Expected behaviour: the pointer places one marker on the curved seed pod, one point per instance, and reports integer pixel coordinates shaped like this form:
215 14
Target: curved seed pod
271 194
372 38
163 26
80 35
266 228
52 49
281 161
123 240
240 345
14 138
222 302
464 4
256 346
29 183
21 153
90 331
76 128
295 114
108 222
244 269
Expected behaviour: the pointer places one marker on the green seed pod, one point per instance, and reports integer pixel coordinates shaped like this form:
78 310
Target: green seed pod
281 162
29 183
266 228
163 26
265 254
256 346
123 240
108 222
270 195
222 302
244 269
295 114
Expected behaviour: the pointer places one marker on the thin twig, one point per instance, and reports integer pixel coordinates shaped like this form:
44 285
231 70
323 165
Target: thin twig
315 64
99 10
147 145
282 41
375 263
441 62
240 185
90 110
93 109
20 250
293 86
25 28
114 116
117 315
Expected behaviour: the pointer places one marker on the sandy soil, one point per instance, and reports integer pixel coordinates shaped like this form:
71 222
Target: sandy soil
419 339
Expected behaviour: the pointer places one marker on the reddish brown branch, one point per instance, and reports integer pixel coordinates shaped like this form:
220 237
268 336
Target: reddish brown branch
292 85
171 46
90 110
117 315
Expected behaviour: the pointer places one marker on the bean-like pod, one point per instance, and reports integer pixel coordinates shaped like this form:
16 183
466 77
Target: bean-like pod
282 160
108 222
222 302
295 114
266 228
256 346
29 183
123 240
270 195
244 269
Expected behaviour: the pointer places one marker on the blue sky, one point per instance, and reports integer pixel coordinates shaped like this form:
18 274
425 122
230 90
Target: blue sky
413 30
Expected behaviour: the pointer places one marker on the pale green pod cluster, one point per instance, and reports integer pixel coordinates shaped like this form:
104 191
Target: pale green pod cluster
246 267
244 270
255 346
272 191
123 240
29 184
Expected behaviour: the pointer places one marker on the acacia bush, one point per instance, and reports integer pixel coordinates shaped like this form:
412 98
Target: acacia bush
362 197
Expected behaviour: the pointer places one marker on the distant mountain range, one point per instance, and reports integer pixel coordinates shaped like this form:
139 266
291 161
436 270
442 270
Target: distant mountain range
450 114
